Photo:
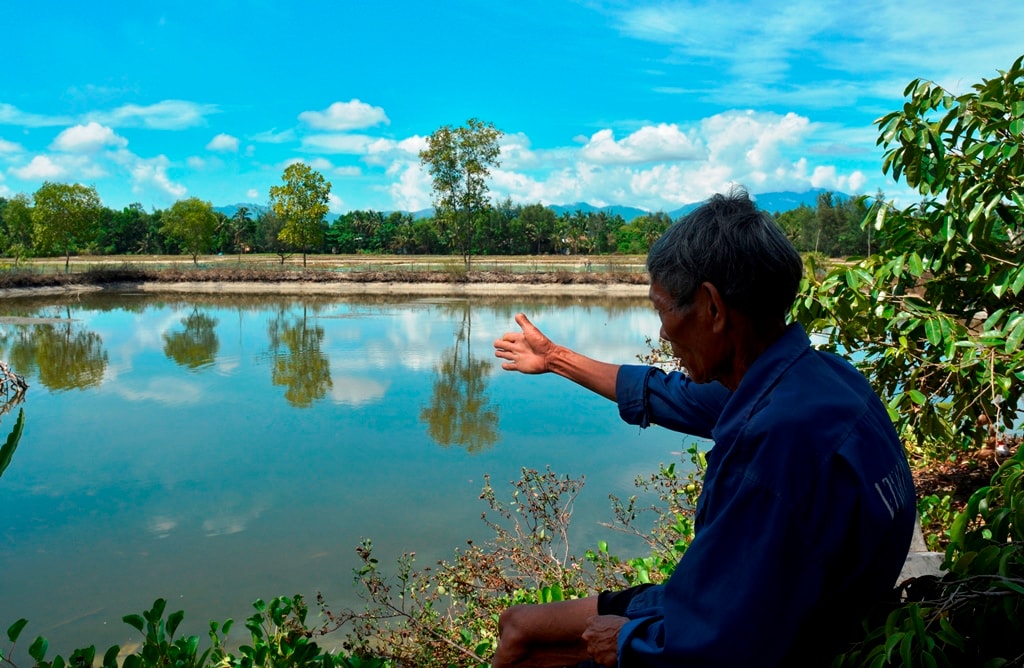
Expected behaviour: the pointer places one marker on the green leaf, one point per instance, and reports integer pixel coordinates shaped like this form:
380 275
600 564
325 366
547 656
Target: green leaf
907 648
110 657
135 621
1014 338
37 650
890 644
933 331
918 397
173 620
7 451
14 630
1018 281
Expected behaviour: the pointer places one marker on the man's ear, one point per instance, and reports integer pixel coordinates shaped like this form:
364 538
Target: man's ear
715 306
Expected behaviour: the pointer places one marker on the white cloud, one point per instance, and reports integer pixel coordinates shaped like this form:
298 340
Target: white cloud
320 164
195 162
648 144
87 138
516 151
273 137
661 167
347 171
386 151
351 144
252 193
152 173
335 203
9 146
357 391
11 115
41 167
411 191
343 116
223 142
165 115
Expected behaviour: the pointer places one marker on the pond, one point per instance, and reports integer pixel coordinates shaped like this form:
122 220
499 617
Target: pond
219 449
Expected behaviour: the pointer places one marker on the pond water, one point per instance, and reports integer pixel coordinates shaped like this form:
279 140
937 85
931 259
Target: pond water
216 450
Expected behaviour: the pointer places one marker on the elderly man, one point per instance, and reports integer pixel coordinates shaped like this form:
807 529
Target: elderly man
808 504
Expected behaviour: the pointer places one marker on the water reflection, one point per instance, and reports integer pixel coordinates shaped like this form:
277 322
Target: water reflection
63 354
299 363
196 346
460 411
312 423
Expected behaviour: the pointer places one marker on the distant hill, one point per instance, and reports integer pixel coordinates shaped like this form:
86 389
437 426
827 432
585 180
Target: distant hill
230 210
776 202
627 212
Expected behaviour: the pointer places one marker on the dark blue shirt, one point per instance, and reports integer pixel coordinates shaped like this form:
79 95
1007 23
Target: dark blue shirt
805 516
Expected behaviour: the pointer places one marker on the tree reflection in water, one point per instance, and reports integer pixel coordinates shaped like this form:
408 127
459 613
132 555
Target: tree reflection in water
460 411
304 369
197 345
65 355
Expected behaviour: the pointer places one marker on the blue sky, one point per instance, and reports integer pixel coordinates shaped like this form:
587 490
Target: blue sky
646 104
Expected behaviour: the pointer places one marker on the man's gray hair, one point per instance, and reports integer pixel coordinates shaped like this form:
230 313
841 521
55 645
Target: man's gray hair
730 243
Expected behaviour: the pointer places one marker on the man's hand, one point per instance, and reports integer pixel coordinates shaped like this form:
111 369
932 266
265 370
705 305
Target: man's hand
602 638
526 351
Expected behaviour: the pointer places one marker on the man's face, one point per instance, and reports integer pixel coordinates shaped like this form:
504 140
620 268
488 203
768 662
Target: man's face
687 331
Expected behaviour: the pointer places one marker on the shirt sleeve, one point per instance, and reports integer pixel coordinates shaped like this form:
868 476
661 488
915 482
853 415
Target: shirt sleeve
647 395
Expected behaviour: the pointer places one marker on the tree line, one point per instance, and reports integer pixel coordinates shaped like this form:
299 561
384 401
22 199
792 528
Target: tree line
34 226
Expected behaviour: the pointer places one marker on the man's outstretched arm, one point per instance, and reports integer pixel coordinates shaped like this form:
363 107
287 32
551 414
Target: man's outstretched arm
531 352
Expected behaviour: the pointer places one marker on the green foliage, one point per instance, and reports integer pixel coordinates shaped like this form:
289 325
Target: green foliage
64 217
937 515
459 161
973 615
301 202
193 224
11 444
936 315
279 637
16 227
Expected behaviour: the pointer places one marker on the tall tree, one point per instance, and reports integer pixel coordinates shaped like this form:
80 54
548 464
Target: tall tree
301 202
459 161
64 217
16 215
241 230
193 224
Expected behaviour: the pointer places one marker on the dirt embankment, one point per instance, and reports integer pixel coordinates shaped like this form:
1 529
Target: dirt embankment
320 281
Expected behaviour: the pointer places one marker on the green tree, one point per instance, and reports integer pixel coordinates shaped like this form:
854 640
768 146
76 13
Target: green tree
64 217
127 231
459 161
16 227
193 224
301 202
241 230
797 224
538 225
936 313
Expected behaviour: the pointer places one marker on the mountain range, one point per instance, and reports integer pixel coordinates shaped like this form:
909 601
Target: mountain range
774 202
